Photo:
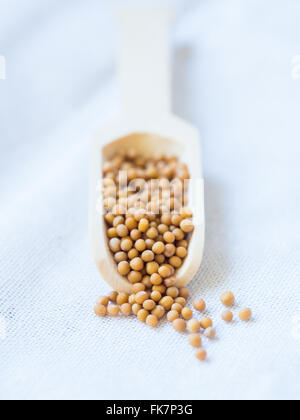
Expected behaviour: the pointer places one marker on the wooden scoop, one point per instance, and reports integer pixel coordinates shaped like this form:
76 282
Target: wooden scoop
147 125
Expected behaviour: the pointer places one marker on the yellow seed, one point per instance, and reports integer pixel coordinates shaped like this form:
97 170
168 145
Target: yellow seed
126 309
113 310
119 220
102 300
113 296
141 297
172 315
136 307
170 250
165 271
147 256
156 296
124 268
186 213
184 292
166 219
160 259
210 333
135 234
187 226
179 325
245 314
227 316
152 268
181 252
206 323
195 340
152 321
156 279
133 253
175 262
112 233
228 299
166 302
187 313
147 282
149 304
159 311
137 264
142 315
177 307
115 245
201 354
140 245
179 235
131 223
138 287
122 298
162 229
143 225
169 237
176 219
100 310
120 256
122 231
158 248
126 244
170 282
161 289
149 243
181 301
135 277
199 305
193 326
131 299
152 233
173 292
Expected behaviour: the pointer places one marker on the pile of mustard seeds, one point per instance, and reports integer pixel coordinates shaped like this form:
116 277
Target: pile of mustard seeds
149 226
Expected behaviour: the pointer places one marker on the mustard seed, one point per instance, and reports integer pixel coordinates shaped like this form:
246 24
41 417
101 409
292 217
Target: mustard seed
179 235
100 310
124 268
184 292
119 220
166 302
143 225
201 355
147 282
135 235
113 296
172 315
134 277
137 264
173 292
122 298
113 310
164 271
228 299
112 233
169 237
160 259
170 282
133 253
102 300
140 297
187 226
210 333
142 315
177 307
126 309
126 244
149 243
181 252
131 223
175 262
181 301
115 245
166 219
162 229
161 289
140 245
149 304
152 321
158 248
152 268
199 305
179 325
122 231
136 307
120 256
245 314
193 326
227 316
156 296
138 287
159 312
187 313
156 279
206 323
131 299
147 256
170 250
195 340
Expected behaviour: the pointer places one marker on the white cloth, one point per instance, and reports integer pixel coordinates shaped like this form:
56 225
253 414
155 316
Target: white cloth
233 79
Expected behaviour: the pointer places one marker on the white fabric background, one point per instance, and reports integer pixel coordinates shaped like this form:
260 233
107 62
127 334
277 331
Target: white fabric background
233 79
